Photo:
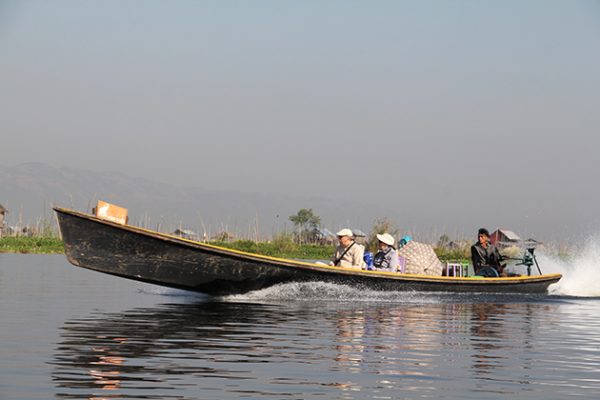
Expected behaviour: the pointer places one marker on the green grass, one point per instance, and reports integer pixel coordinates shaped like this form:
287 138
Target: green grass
288 249
282 249
34 244
460 255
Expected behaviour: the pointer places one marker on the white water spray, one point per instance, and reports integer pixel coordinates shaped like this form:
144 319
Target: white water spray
581 270
299 291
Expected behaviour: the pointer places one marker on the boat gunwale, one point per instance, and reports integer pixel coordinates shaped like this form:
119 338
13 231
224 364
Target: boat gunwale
290 263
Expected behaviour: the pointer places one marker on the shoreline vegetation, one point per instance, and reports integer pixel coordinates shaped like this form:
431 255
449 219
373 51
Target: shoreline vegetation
307 241
31 244
279 247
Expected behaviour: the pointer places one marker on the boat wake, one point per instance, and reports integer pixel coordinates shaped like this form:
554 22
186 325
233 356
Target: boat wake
581 272
299 291
331 292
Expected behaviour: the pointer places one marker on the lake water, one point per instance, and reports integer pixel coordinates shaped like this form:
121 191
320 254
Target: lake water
70 333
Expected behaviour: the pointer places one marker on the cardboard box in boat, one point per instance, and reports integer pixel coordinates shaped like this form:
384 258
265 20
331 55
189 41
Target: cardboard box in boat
111 212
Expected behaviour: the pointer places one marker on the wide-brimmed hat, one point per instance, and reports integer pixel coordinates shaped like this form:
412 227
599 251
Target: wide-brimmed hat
386 238
345 232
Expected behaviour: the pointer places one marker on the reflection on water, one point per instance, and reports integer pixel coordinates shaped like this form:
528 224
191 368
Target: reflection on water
150 349
299 350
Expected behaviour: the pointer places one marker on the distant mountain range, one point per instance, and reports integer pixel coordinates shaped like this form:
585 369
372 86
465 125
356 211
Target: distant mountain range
29 190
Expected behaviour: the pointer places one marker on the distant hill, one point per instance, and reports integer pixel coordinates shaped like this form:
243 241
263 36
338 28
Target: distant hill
29 190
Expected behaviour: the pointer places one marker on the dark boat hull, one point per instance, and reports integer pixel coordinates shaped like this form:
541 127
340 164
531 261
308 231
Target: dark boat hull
161 259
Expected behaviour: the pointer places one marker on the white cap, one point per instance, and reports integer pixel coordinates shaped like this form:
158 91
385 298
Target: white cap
386 238
345 232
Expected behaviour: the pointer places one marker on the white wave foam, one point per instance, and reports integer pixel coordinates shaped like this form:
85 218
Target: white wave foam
581 271
299 291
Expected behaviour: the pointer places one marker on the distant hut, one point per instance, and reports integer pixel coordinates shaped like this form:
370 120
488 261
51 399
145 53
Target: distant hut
359 236
3 212
186 234
323 236
502 238
223 236
358 233
532 243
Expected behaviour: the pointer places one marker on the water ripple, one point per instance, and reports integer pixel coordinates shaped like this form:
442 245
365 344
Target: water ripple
331 350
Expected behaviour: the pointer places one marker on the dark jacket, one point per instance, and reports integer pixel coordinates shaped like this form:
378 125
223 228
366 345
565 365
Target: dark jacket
386 260
489 257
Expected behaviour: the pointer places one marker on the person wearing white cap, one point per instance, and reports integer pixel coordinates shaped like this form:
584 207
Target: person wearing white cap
349 253
386 259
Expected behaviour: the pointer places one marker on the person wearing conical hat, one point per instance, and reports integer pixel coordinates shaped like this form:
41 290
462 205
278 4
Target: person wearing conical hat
348 254
386 259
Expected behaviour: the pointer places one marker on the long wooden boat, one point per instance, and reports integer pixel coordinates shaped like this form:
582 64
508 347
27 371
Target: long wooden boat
148 256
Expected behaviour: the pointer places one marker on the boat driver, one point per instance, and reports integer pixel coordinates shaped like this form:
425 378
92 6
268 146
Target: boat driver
485 256
349 253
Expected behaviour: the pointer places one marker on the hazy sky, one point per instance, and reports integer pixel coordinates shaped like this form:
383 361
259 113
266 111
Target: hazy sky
455 112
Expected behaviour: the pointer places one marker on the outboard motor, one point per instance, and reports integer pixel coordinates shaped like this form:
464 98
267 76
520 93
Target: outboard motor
529 259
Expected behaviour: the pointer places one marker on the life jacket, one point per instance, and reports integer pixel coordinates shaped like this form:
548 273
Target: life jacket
381 260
